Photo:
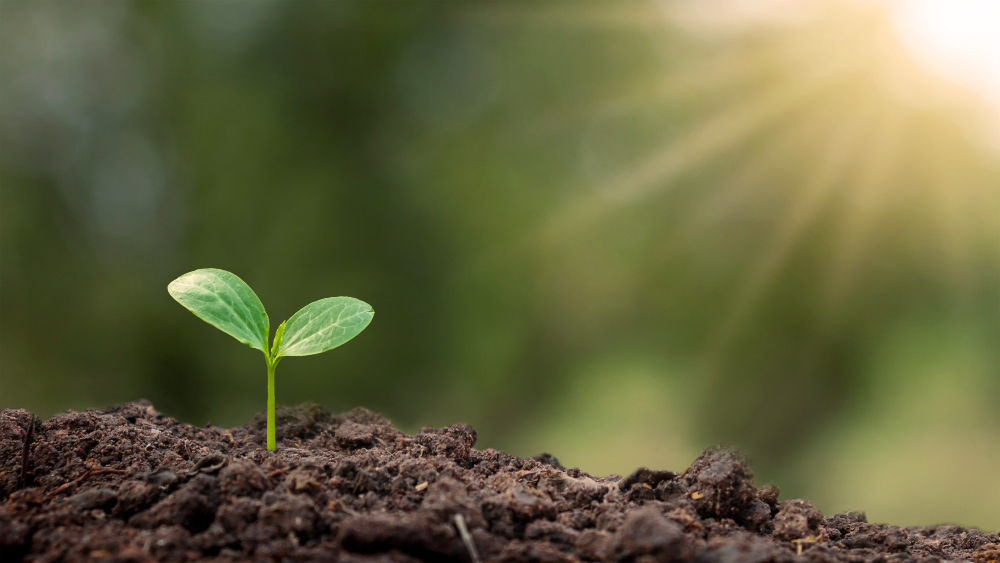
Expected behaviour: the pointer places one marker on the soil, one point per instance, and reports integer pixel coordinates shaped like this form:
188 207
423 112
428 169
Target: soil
130 484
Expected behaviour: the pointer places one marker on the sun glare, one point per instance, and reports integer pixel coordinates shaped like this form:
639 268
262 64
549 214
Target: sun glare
958 39
820 158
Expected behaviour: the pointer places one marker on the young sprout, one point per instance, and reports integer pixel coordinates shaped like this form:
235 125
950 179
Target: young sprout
224 301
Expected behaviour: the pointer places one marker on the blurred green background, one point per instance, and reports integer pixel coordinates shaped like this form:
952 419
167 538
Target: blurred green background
616 232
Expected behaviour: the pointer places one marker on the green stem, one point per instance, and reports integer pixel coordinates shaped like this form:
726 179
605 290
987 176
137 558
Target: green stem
270 404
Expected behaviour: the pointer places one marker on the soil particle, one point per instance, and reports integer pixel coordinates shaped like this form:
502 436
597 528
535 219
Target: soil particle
552 532
989 554
290 515
721 484
419 535
135 496
646 532
768 494
525 504
192 507
594 545
645 477
129 484
242 479
303 481
354 435
93 499
448 497
797 519
549 459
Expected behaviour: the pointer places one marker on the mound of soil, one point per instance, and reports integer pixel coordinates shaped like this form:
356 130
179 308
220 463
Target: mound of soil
129 484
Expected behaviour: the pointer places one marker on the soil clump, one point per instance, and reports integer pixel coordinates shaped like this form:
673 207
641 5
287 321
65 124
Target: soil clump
129 484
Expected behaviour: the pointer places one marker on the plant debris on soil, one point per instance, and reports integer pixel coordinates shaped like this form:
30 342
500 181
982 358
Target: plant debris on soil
130 484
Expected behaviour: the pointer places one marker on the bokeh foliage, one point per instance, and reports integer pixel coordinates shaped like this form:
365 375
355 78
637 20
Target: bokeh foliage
609 231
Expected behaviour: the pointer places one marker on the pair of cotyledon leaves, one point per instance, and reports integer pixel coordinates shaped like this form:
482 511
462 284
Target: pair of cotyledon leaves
224 301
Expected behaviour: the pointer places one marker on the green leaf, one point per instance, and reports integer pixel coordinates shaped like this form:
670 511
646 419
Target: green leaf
224 301
323 325
276 344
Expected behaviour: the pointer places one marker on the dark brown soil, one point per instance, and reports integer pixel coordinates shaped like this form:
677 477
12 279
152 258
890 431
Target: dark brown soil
129 484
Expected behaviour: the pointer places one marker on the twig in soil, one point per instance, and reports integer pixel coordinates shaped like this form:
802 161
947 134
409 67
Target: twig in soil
26 451
466 538
808 539
90 473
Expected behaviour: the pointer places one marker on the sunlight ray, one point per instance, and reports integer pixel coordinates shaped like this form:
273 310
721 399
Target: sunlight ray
945 171
631 16
675 85
862 201
723 71
739 187
718 133
840 149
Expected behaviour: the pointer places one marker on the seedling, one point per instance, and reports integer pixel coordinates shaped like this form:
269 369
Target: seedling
224 301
